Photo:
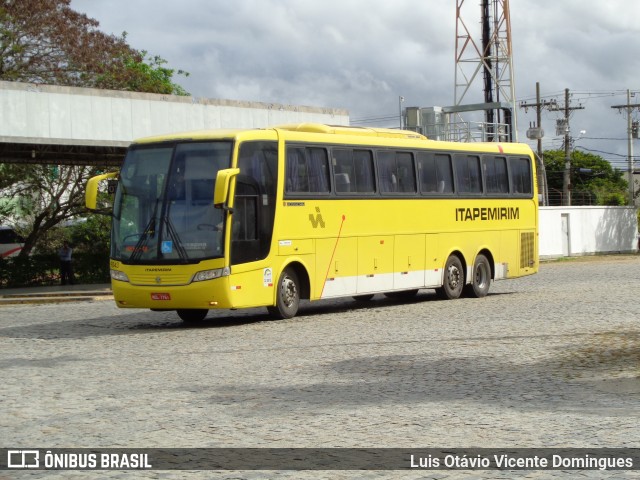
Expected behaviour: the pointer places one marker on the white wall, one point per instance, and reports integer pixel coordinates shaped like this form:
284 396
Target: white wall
46 114
572 231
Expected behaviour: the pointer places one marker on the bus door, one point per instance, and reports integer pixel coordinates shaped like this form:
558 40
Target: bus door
252 222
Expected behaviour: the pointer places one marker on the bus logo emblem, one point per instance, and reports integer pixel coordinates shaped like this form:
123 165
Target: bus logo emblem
317 219
23 458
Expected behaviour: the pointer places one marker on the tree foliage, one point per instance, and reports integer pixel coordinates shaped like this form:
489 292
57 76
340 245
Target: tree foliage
41 197
48 42
150 74
593 179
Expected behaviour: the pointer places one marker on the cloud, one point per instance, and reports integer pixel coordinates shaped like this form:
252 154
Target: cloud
362 55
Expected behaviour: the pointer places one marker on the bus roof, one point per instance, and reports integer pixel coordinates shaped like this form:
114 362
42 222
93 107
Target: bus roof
191 135
297 127
348 130
339 130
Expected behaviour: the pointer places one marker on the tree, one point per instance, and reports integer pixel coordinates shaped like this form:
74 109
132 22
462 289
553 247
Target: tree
41 196
48 42
149 74
593 179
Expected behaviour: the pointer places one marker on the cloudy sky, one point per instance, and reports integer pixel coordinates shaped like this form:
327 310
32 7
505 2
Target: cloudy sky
362 55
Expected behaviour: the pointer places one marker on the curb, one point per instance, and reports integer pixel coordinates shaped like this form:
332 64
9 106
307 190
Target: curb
54 297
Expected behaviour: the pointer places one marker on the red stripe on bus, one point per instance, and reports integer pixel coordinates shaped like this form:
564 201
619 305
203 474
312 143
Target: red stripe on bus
332 254
10 252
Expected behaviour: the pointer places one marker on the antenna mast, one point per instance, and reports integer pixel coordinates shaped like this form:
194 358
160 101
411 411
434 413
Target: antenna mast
493 57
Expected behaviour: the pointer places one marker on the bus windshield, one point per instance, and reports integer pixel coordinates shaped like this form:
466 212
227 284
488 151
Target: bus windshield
163 209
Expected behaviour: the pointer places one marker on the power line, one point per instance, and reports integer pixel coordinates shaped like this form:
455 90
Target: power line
603 138
605 153
376 119
578 94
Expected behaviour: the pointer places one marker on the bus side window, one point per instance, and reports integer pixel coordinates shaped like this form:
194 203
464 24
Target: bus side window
495 174
435 173
297 177
8 235
468 176
396 172
353 171
520 170
406 172
363 166
444 173
307 170
386 171
343 170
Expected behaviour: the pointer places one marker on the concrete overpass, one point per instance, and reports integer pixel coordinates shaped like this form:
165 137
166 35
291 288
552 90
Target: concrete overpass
82 126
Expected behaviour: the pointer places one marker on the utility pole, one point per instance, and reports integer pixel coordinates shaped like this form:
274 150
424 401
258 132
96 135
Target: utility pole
537 134
566 181
629 109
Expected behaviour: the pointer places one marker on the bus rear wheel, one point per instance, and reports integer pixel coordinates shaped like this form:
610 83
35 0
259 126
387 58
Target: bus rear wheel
481 278
453 281
287 296
192 315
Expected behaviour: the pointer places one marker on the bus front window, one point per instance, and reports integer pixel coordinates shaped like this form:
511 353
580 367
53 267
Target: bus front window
163 211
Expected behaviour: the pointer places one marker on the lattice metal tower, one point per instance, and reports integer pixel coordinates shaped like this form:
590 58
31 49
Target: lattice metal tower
485 55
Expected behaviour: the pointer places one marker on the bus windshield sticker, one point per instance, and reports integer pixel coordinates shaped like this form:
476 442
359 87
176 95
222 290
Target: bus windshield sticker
167 246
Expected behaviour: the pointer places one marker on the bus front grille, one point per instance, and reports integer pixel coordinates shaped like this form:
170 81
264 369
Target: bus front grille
159 279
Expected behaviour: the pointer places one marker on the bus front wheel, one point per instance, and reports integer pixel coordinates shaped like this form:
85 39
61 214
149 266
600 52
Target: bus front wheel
453 281
192 315
481 278
287 296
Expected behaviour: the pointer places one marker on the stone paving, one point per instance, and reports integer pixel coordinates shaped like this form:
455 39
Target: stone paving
551 360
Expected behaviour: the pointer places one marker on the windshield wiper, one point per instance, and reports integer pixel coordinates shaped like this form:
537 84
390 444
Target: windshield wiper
148 232
182 253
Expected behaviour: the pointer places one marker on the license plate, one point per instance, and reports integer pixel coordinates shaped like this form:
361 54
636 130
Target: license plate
160 296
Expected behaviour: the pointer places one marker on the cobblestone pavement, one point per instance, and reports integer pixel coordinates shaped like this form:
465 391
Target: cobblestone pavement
551 360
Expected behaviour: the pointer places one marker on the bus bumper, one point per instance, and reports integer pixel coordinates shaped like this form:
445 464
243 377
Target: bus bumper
210 294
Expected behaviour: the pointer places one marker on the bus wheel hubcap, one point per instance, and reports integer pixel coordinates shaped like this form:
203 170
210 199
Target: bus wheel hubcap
454 277
289 292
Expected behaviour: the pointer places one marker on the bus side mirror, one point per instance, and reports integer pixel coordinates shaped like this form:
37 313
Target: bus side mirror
91 194
223 180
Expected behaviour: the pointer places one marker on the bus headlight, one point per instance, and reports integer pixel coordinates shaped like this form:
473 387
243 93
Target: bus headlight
211 274
118 275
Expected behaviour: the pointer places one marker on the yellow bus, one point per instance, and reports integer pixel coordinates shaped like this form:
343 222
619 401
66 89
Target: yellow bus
235 219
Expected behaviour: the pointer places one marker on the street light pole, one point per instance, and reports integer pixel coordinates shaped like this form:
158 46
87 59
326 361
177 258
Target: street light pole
400 100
